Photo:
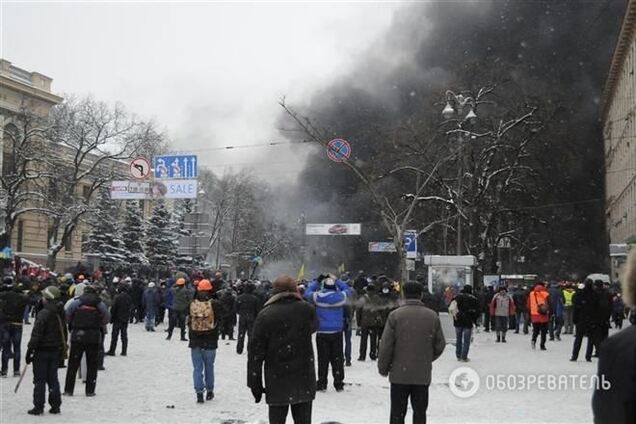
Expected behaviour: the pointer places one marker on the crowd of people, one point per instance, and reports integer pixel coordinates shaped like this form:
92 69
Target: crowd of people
276 322
584 310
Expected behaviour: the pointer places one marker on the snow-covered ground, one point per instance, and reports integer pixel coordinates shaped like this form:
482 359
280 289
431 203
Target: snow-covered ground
157 374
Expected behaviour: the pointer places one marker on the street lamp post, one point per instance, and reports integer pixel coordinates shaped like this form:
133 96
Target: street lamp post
462 109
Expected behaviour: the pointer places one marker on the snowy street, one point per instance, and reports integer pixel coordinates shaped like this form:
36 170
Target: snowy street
157 374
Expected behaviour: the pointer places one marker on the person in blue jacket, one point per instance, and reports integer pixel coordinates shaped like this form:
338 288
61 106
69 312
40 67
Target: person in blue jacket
330 296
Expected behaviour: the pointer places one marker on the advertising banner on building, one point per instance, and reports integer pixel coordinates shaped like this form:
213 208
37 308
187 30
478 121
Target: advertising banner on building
382 247
165 189
333 229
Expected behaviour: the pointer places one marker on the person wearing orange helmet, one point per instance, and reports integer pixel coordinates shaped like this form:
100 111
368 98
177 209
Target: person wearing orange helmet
204 336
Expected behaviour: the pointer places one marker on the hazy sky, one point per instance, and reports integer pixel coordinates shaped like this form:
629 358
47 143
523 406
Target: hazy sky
209 73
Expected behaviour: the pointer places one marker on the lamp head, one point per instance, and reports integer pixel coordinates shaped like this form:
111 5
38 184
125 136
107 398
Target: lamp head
448 111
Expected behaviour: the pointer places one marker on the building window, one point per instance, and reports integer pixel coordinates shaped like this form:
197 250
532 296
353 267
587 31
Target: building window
68 244
9 138
20 235
86 191
84 240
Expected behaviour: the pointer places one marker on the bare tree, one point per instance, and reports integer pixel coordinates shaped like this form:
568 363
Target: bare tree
487 160
90 143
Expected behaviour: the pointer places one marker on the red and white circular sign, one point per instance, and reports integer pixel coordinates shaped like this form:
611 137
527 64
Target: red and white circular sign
140 168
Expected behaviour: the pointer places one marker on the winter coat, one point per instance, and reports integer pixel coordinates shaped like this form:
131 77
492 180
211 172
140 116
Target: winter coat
618 307
468 311
538 296
182 299
489 293
151 299
557 299
429 301
282 340
227 307
122 308
370 311
360 284
520 297
411 341
247 307
86 316
329 305
617 365
604 311
585 307
49 331
168 298
13 304
208 340
568 297
502 305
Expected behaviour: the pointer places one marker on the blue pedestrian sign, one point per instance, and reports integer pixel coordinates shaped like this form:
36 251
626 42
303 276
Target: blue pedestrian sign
175 166
410 244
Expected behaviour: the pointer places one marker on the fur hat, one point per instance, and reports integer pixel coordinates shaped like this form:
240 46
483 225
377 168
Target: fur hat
285 283
629 280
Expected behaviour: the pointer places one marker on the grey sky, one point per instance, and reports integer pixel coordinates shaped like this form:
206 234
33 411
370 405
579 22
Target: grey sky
210 73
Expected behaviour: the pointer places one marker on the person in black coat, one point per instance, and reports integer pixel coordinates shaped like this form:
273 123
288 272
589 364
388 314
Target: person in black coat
615 402
585 302
120 313
489 293
227 314
282 342
464 318
247 306
45 348
86 315
13 303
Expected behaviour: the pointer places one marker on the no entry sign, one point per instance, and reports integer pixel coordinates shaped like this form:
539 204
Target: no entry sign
338 150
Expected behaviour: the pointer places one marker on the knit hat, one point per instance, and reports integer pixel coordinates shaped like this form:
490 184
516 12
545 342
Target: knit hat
51 293
285 283
204 285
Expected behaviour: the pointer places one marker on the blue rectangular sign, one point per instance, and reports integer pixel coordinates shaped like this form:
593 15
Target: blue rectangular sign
410 243
175 166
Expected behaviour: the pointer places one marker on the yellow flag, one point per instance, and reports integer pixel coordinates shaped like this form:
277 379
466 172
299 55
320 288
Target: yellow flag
301 273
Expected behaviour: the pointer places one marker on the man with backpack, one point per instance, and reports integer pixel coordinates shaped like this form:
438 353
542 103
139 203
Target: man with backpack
465 310
204 338
86 315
